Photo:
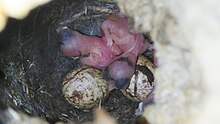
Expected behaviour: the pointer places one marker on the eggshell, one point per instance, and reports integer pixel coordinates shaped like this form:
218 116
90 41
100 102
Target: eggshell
85 87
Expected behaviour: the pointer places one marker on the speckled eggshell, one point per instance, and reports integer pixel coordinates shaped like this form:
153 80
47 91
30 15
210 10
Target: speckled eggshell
85 87
140 87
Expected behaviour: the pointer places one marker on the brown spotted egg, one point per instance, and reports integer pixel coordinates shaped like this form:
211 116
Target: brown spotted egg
142 82
85 87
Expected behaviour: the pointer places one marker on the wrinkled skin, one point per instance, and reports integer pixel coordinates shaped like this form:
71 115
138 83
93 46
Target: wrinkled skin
124 65
92 50
115 27
116 33
117 49
131 44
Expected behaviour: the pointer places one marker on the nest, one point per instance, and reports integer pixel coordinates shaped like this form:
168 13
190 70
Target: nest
32 66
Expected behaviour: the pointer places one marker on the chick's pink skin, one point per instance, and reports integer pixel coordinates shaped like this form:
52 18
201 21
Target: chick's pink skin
120 70
138 47
118 36
115 26
116 32
92 50
125 69
117 42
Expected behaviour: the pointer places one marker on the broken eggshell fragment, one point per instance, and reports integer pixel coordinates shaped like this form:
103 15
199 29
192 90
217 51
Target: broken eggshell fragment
85 87
142 82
